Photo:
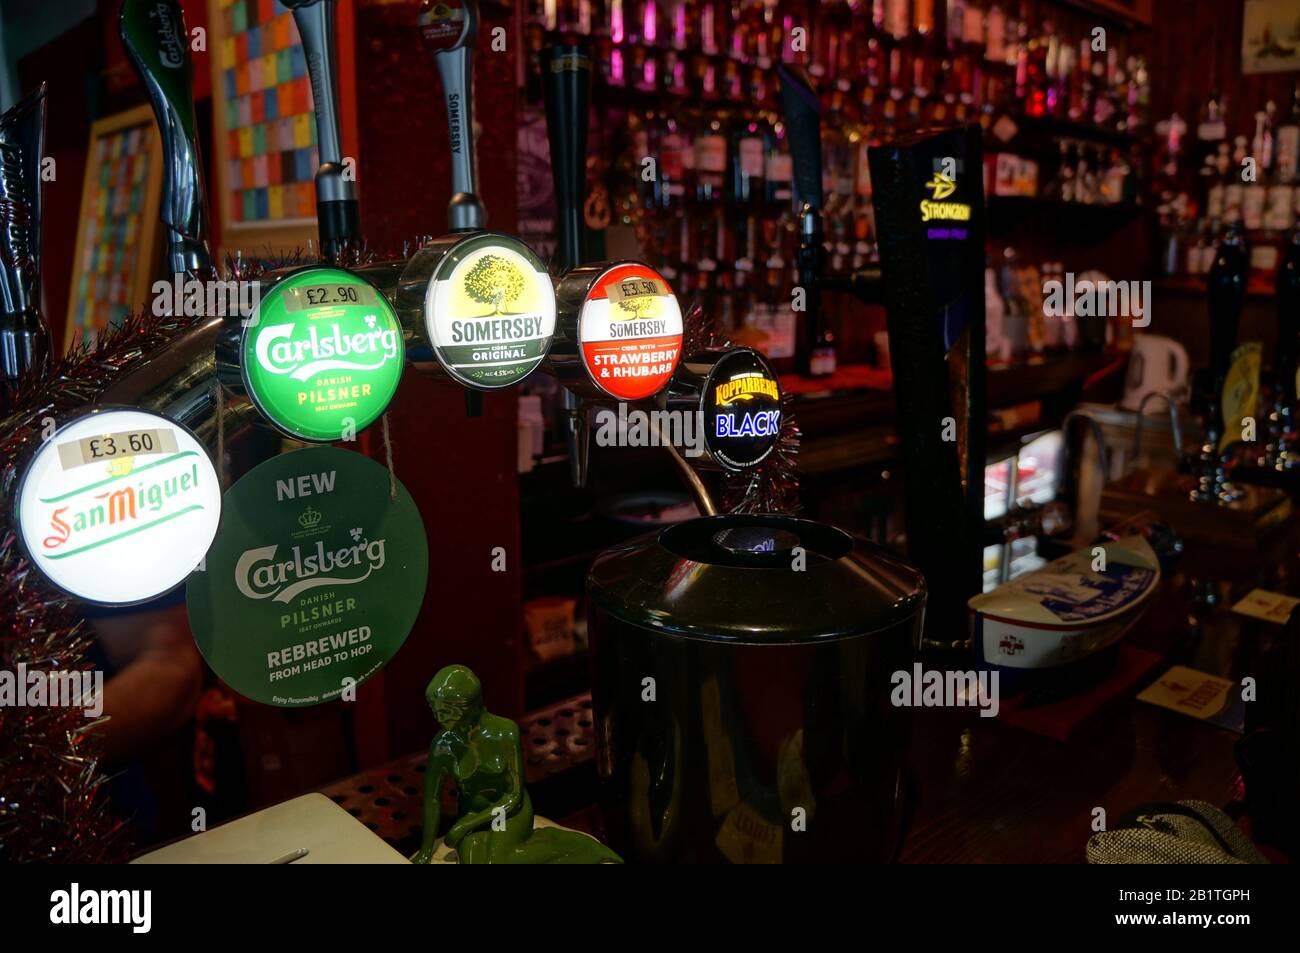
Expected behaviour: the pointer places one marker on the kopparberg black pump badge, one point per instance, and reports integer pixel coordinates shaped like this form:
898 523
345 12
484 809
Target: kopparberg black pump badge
742 409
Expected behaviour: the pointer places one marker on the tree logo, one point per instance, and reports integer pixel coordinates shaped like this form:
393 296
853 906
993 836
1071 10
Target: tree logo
496 281
636 305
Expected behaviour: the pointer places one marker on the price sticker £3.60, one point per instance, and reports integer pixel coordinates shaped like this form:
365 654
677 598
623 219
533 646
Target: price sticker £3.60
127 443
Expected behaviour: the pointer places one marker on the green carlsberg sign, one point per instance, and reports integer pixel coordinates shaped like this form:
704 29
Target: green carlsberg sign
314 581
324 356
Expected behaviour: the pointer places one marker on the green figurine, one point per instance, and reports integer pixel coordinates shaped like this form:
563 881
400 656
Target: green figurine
482 752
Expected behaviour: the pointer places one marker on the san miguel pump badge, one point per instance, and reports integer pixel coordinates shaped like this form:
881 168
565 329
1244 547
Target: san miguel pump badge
118 506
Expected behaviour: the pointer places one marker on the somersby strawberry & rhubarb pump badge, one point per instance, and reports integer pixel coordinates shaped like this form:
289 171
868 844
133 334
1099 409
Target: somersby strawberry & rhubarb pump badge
118 506
630 329
315 580
323 356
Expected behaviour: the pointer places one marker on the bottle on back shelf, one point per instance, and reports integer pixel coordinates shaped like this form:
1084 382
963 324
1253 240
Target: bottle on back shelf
710 164
746 164
778 170
1287 143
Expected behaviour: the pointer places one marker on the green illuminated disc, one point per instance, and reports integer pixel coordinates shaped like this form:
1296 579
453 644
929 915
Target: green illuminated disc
325 355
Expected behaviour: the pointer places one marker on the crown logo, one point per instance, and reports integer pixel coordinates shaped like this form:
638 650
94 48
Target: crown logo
309 518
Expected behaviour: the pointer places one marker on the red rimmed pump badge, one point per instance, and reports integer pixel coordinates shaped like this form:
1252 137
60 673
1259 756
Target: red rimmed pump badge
630 331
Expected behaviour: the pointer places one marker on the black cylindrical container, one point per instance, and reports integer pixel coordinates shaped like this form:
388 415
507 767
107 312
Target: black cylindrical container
742 679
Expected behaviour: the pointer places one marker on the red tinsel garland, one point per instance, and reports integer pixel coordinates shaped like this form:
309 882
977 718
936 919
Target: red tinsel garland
53 806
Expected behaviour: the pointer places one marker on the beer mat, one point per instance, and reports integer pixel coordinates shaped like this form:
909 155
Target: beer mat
847 377
1200 695
1266 605
1059 720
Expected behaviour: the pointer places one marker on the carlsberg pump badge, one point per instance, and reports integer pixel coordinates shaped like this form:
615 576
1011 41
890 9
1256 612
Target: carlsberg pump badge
324 356
490 311
118 506
630 329
315 581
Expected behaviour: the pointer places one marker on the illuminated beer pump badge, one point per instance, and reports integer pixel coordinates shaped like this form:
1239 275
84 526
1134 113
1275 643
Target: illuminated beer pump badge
490 311
442 23
324 356
630 330
119 506
315 581
742 409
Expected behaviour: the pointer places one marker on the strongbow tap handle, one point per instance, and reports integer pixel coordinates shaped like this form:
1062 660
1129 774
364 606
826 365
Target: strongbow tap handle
566 84
801 108
1288 318
1227 294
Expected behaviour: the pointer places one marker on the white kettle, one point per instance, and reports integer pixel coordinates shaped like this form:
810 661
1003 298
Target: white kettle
1156 365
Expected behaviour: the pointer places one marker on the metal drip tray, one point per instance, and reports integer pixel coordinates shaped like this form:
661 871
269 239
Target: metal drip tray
557 738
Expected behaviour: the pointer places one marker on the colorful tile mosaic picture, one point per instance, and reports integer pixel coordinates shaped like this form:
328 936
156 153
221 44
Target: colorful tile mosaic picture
114 239
270 130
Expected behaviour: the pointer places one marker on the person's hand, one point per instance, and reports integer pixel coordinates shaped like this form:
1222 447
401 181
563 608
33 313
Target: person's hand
422 856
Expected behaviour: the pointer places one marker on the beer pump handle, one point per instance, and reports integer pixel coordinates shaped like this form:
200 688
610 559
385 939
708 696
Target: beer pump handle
455 62
1288 318
801 109
336 201
566 85
157 44
1226 288
24 337
1227 294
